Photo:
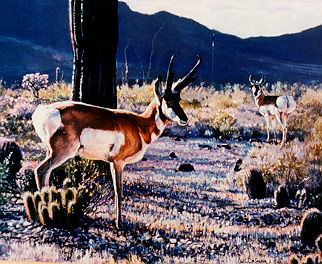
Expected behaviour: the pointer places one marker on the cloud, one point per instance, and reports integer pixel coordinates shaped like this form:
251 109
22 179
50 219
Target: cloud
242 18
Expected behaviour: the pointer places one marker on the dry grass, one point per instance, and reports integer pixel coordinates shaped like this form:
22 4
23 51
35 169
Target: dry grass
16 251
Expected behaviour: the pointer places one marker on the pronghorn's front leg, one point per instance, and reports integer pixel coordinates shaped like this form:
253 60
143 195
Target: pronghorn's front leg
267 119
116 171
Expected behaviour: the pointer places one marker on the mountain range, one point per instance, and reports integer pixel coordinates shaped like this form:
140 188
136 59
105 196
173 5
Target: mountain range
35 37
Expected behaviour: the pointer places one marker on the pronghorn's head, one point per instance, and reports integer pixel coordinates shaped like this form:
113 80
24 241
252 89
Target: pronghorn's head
169 100
256 86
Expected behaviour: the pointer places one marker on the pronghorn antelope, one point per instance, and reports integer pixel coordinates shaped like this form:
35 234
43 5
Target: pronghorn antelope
70 129
272 107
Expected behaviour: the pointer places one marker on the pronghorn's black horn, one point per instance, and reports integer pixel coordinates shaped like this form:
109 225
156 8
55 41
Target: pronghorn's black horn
251 80
170 76
189 78
261 81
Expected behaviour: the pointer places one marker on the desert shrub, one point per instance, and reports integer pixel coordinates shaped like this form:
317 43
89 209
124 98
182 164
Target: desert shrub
308 111
11 151
35 82
58 91
288 166
224 122
7 181
26 181
135 98
91 178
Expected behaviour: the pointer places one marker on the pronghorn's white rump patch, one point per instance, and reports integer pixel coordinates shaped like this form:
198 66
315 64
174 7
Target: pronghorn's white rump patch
286 104
46 120
100 144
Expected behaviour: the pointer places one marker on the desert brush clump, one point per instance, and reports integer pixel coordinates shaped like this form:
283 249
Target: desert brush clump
292 166
53 207
8 185
92 179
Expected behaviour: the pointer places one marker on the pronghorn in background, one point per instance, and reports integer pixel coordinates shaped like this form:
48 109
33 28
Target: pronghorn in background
272 107
70 129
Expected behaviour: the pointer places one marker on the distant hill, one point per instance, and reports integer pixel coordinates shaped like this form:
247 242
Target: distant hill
34 36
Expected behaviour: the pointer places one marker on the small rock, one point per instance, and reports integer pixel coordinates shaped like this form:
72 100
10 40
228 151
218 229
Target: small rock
226 146
186 167
268 219
172 155
26 223
205 146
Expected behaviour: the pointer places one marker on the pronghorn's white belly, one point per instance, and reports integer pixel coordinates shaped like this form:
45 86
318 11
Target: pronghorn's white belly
100 144
268 110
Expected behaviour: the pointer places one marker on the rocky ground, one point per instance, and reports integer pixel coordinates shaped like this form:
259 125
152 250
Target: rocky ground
201 215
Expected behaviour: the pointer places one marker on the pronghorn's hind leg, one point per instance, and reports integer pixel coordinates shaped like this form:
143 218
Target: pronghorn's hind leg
284 117
282 120
60 151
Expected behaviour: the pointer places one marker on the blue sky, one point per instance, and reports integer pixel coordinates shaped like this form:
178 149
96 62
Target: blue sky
243 18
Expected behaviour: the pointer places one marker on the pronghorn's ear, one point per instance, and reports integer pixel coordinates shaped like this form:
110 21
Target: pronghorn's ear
261 81
158 88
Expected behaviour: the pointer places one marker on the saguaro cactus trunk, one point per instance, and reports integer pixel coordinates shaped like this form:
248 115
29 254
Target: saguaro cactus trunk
94 32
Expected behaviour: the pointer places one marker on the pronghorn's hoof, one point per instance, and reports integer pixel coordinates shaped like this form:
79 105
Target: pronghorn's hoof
120 226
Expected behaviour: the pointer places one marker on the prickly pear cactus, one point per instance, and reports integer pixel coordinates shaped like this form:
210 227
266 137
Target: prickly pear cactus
53 207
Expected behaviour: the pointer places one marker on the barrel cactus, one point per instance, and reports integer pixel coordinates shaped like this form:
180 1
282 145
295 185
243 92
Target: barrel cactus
30 207
281 197
53 207
254 183
301 198
311 226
